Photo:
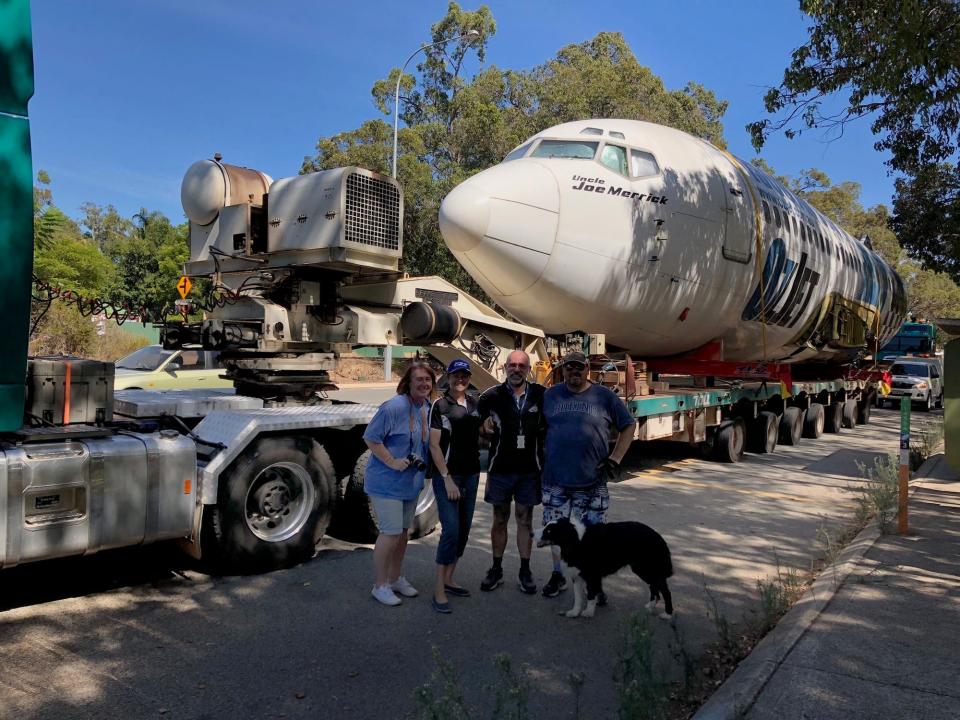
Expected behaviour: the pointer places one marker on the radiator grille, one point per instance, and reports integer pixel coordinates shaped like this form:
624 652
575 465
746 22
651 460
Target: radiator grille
373 212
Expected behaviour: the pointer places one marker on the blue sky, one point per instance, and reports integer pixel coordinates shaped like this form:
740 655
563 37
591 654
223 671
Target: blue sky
129 93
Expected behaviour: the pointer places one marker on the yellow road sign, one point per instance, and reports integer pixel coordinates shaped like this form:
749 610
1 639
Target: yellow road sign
183 286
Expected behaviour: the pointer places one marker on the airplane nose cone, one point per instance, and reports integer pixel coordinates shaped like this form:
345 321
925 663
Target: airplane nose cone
501 225
464 216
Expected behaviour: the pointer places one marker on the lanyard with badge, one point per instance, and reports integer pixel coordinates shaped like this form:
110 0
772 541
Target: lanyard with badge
423 431
520 402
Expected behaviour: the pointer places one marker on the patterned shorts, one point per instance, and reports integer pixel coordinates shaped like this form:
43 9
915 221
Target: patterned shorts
589 505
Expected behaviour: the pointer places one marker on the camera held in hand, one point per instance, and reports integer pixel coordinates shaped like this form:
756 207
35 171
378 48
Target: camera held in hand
416 463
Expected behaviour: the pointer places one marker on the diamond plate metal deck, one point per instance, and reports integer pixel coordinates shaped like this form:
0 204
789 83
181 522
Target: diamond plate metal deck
237 429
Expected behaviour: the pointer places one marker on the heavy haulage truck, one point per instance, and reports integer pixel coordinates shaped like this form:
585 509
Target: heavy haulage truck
303 269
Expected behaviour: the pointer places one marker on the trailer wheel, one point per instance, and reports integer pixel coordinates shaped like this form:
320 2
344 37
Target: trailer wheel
813 422
359 522
863 412
791 426
275 505
834 418
728 445
850 414
762 435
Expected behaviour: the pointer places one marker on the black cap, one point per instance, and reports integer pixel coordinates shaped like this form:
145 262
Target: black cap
575 357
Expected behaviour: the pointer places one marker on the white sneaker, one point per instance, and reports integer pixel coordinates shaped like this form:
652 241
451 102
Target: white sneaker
403 586
384 594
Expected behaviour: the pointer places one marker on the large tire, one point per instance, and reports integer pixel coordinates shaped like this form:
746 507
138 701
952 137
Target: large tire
730 436
850 414
834 418
273 505
928 404
791 426
762 433
358 522
863 412
813 422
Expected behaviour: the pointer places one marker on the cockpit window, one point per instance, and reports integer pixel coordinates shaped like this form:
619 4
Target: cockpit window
517 153
616 134
615 158
591 131
580 149
642 163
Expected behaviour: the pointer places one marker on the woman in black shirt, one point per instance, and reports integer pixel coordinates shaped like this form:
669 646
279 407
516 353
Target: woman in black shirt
454 449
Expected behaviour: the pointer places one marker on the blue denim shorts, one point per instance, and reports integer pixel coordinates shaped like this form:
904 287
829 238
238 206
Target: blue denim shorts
588 504
393 516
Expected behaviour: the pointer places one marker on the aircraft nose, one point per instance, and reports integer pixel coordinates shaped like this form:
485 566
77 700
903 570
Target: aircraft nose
502 223
464 217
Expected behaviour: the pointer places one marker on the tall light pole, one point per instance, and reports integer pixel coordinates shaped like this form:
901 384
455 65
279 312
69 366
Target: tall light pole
472 35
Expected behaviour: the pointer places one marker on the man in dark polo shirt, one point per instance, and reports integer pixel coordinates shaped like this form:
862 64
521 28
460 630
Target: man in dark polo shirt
513 413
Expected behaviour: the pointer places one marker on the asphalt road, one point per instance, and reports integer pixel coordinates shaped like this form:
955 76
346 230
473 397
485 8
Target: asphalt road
142 634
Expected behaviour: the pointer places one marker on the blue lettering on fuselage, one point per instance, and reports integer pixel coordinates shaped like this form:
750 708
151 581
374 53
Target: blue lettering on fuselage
787 285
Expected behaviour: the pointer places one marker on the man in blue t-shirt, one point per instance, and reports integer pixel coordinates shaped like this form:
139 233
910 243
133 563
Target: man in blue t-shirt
578 462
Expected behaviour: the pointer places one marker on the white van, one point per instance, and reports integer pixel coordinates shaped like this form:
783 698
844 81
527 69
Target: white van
919 378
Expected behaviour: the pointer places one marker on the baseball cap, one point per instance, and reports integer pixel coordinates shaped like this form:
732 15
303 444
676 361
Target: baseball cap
575 357
458 365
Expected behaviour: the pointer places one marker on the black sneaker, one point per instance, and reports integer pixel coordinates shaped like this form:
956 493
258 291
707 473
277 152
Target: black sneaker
527 585
493 580
555 585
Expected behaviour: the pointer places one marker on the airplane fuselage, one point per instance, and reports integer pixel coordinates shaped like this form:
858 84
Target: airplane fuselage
665 243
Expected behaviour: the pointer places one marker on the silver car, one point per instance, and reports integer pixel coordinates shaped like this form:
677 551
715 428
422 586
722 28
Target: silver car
920 379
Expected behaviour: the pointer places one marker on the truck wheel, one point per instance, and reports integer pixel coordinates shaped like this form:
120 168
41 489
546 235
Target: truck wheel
762 435
834 418
928 404
813 422
850 414
791 426
728 446
275 504
863 412
359 520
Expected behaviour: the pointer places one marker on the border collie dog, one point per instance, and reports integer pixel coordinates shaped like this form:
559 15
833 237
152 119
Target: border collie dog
600 550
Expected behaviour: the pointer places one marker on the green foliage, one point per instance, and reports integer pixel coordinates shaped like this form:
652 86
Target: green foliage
927 217
897 61
640 688
877 496
441 697
777 595
455 127
149 260
64 331
71 262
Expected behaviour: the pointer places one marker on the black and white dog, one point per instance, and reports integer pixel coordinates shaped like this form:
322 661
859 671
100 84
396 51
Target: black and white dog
600 550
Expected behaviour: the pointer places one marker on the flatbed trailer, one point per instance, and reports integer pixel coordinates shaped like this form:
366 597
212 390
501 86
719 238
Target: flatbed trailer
752 416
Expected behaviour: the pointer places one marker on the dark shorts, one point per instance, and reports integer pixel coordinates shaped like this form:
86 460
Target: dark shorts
589 505
524 488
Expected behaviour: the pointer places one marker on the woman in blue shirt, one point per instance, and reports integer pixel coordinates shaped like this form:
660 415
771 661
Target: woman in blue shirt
399 441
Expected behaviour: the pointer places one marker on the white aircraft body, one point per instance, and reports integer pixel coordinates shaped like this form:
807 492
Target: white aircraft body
666 244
